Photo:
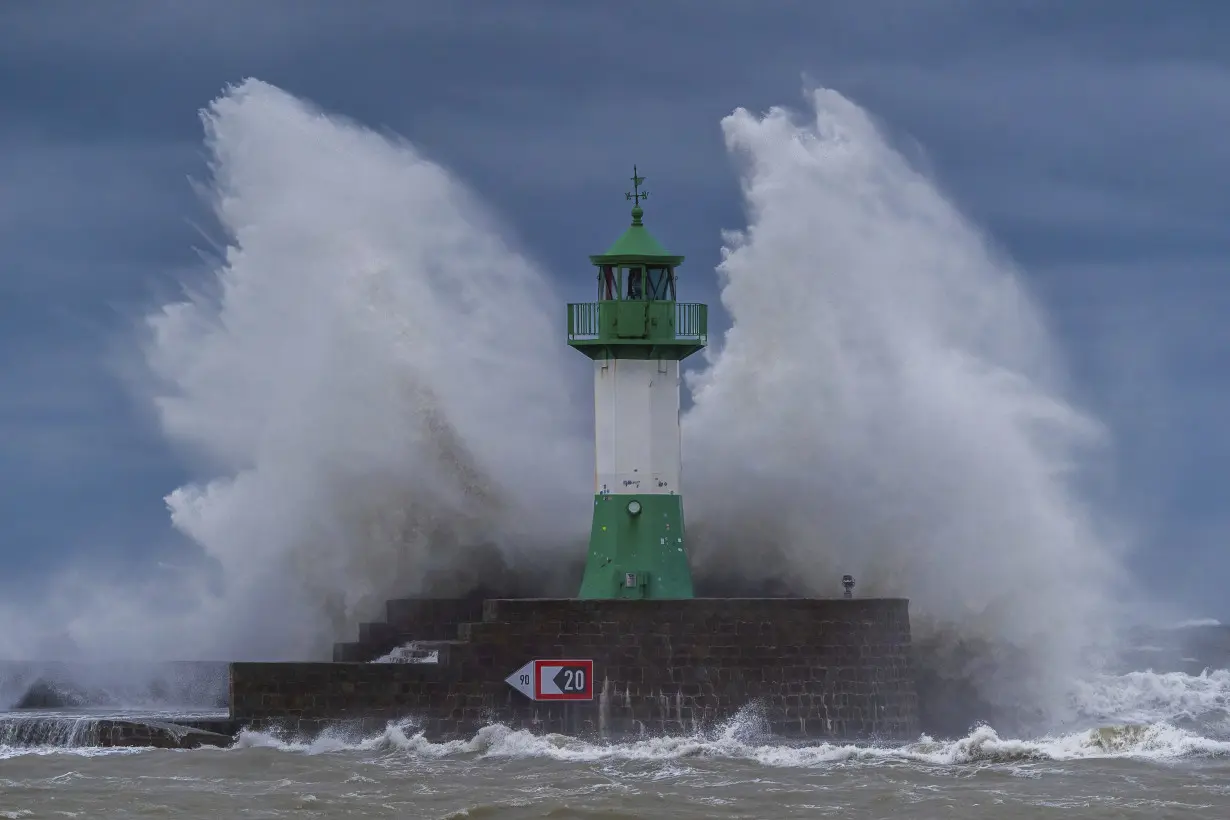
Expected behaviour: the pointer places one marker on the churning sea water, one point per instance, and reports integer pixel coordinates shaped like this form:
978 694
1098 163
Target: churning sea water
1145 765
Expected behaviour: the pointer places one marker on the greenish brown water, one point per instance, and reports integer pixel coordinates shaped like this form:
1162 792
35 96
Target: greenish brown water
1154 771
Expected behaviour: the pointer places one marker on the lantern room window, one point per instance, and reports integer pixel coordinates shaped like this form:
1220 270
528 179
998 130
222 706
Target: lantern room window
653 283
608 284
660 284
635 277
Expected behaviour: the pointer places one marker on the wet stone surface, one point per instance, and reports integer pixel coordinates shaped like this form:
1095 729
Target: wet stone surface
830 668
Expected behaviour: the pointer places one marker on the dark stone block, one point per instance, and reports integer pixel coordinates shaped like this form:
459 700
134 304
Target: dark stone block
820 667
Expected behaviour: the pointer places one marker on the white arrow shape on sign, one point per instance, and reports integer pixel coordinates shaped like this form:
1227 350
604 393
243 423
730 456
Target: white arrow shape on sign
523 680
546 680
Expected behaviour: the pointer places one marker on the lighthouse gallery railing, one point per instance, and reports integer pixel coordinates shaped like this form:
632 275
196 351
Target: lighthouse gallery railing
585 320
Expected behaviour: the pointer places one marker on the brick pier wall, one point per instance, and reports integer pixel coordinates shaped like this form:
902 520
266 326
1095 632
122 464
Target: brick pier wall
819 668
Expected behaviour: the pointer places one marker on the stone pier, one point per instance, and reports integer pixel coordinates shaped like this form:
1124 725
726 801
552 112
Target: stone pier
815 668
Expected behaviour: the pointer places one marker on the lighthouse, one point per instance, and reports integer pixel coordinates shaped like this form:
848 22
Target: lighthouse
637 333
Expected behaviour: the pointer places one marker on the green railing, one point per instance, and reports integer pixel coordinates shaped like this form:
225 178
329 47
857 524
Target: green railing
596 321
692 322
584 320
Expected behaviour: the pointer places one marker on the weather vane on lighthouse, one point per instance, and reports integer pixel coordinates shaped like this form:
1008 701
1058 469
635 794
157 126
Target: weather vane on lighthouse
636 192
637 334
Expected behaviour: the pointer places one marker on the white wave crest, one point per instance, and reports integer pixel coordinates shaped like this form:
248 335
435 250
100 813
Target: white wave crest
1147 697
372 378
1159 741
909 423
410 653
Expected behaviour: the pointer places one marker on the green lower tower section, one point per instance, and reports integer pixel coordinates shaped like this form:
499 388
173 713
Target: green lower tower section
636 549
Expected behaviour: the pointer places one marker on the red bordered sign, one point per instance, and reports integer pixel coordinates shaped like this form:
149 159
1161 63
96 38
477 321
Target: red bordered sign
555 680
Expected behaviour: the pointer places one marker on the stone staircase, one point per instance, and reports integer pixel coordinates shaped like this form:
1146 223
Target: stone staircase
431 624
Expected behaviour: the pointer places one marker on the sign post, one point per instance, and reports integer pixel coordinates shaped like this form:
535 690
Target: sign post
554 680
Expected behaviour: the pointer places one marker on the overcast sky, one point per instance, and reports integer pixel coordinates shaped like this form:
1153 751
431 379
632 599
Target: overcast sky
1089 139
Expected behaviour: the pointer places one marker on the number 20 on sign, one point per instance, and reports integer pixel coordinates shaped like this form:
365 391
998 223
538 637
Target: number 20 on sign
554 680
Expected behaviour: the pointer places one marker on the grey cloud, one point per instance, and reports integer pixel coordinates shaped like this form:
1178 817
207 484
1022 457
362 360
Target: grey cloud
65 206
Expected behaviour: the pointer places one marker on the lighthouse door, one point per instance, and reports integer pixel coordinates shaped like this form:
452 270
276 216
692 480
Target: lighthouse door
632 320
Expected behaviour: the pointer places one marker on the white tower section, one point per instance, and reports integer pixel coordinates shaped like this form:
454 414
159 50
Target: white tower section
636 415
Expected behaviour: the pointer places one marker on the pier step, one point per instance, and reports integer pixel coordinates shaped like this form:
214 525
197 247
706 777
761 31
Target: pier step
432 618
64 731
420 652
421 621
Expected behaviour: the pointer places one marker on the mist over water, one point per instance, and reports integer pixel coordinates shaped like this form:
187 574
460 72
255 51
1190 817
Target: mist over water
374 386
888 403
379 382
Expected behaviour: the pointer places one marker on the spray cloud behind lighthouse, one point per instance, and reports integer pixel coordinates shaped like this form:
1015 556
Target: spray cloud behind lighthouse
370 383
